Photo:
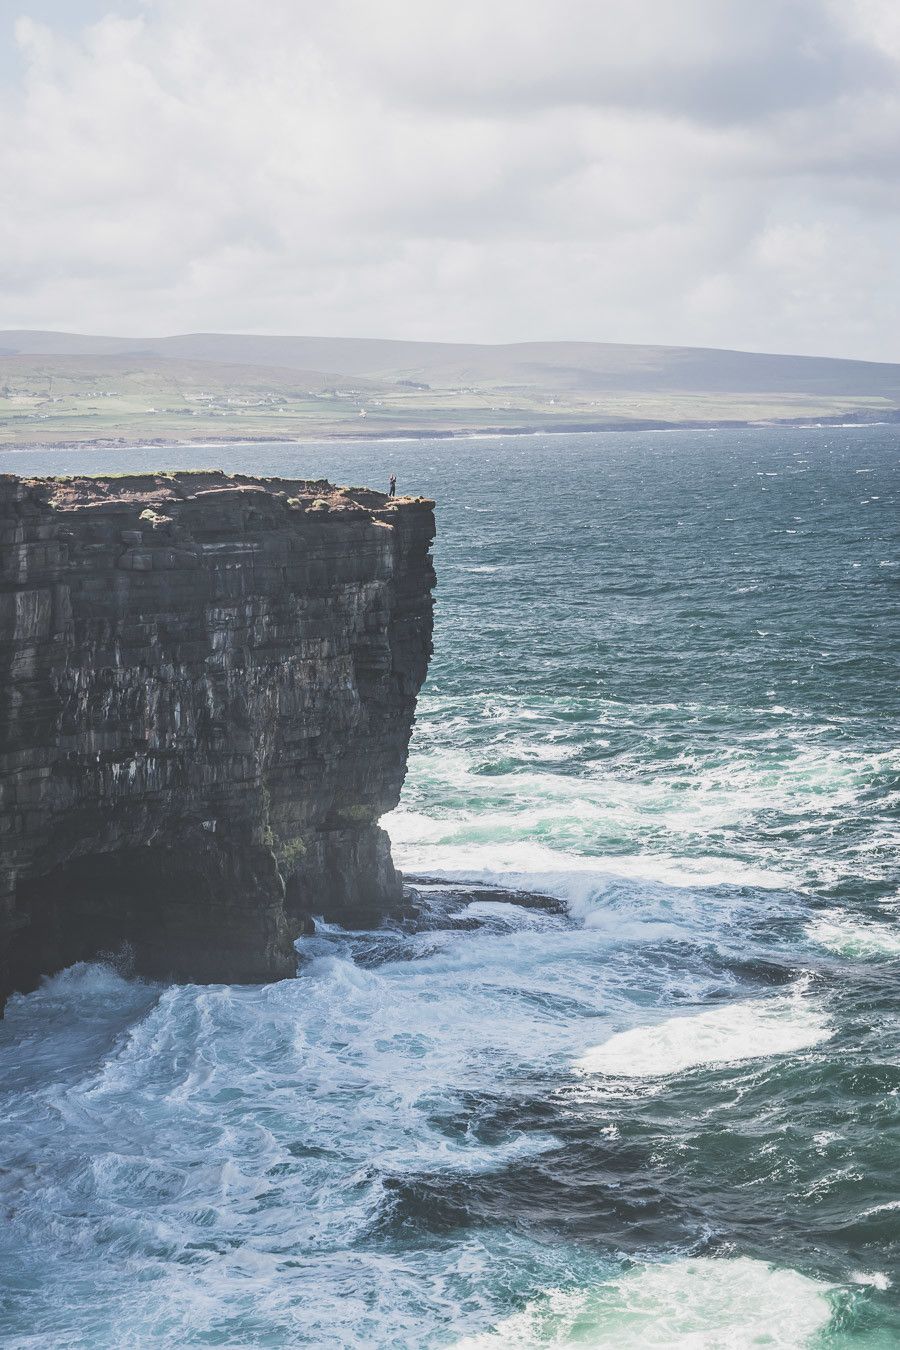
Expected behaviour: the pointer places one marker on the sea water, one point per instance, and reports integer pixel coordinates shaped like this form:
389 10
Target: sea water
665 1113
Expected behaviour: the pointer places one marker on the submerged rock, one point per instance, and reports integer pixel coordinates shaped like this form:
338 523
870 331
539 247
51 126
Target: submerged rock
208 689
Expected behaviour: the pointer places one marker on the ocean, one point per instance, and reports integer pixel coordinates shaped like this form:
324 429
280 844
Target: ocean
663 1113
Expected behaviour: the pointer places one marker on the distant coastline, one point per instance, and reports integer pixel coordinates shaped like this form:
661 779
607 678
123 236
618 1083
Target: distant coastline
62 390
886 417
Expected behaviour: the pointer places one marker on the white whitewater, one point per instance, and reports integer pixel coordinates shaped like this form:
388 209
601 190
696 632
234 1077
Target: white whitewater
728 1035
701 1304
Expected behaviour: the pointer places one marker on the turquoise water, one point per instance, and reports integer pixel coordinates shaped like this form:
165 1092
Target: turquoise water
664 691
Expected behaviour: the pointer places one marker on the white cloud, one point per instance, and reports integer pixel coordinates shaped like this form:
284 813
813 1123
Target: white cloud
709 172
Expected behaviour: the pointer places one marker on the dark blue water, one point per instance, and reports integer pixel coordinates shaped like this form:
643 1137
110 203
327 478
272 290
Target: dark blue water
664 692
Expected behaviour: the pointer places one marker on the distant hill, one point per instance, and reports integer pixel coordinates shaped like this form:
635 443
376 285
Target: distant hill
548 365
57 387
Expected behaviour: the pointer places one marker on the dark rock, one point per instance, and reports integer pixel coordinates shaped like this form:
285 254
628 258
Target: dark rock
197 741
463 893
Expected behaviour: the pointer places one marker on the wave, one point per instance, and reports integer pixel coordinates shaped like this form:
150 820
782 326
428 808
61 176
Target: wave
623 897
506 863
740 1031
526 780
701 1304
849 936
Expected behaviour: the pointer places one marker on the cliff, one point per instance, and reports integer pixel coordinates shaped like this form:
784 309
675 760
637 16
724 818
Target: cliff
207 689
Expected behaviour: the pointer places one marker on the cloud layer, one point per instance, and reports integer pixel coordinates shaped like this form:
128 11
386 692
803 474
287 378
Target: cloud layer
710 173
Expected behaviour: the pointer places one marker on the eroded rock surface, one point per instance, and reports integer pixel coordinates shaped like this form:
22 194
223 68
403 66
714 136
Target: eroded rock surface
207 688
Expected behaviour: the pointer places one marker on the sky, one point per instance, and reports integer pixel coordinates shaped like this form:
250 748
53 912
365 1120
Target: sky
688 172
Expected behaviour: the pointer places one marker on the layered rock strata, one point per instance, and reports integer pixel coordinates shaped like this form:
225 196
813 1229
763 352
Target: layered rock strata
207 689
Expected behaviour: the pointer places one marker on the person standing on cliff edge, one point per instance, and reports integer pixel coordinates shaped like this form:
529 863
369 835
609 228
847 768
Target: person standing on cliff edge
392 485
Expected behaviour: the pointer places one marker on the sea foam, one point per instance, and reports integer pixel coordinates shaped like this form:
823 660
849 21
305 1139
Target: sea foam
848 936
702 1304
727 1035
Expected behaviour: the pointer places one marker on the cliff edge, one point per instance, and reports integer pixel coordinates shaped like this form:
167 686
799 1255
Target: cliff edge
207 689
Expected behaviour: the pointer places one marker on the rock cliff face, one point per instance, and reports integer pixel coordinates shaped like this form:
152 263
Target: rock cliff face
207 688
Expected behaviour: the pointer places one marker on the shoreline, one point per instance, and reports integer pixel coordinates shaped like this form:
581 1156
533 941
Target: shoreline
889 417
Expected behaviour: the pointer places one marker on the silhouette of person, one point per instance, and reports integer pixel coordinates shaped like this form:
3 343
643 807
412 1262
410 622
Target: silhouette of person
392 485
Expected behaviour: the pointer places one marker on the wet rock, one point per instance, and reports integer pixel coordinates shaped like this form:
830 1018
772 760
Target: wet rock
463 893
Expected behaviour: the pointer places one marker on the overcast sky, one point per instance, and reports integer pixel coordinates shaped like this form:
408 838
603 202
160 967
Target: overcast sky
701 172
